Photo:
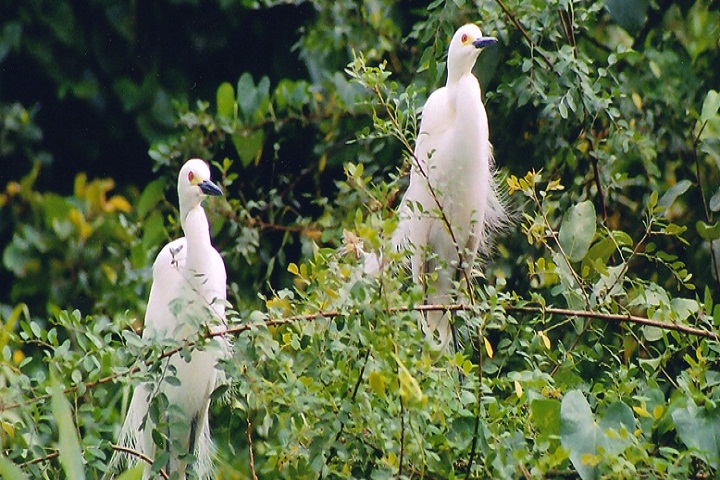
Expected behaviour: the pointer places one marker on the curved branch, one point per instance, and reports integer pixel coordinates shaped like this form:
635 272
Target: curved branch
141 456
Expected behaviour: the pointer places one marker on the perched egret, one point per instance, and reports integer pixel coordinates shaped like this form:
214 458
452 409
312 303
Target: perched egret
451 205
188 292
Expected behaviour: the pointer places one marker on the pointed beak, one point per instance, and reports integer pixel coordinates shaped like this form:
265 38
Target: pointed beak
209 188
483 42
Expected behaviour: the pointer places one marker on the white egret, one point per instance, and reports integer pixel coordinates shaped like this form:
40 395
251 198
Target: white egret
188 292
451 205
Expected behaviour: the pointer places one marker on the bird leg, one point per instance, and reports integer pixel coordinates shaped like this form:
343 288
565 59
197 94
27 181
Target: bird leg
193 433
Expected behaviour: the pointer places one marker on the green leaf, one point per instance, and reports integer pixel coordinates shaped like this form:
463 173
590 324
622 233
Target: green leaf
714 202
589 442
711 105
71 457
652 334
149 198
629 14
618 417
653 201
249 147
252 101
598 255
220 391
578 432
545 415
410 389
225 98
577 230
708 232
684 307
134 473
461 433
153 235
10 470
16 258
699 429
673 192
246 95
377 382
9 38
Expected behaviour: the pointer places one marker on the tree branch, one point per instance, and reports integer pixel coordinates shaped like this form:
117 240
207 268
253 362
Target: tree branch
141 456
46 458
618 318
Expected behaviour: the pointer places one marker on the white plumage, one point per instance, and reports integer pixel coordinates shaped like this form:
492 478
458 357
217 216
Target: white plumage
451 182
188 292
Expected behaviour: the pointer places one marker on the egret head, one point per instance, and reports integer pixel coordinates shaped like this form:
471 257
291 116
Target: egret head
465 47
194 184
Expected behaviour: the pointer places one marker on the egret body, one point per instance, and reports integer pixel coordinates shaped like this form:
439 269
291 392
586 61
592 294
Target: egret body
451 203
188 292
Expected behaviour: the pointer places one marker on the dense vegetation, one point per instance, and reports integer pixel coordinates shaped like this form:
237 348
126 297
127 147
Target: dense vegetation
590 338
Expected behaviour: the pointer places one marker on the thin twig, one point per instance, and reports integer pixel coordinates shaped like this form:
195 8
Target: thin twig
141 456
554 236
572 346
478 406
46 458
352 399
567 26
250 444
524 33
598 183
402 435
524 471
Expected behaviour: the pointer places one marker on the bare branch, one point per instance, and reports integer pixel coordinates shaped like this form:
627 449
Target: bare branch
46 458
141 456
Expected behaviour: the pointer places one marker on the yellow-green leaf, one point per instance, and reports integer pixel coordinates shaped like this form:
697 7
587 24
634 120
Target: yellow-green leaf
488 347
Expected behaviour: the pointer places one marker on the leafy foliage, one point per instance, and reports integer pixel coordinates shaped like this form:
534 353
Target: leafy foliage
590 339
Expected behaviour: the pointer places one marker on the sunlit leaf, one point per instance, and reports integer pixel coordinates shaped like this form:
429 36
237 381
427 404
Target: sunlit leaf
134 473
225 98
249 146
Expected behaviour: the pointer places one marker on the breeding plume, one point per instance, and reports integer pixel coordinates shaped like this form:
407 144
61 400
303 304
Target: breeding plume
188 292
451 205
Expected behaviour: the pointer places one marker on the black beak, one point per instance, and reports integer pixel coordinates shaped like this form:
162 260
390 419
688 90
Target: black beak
483 42
209 188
